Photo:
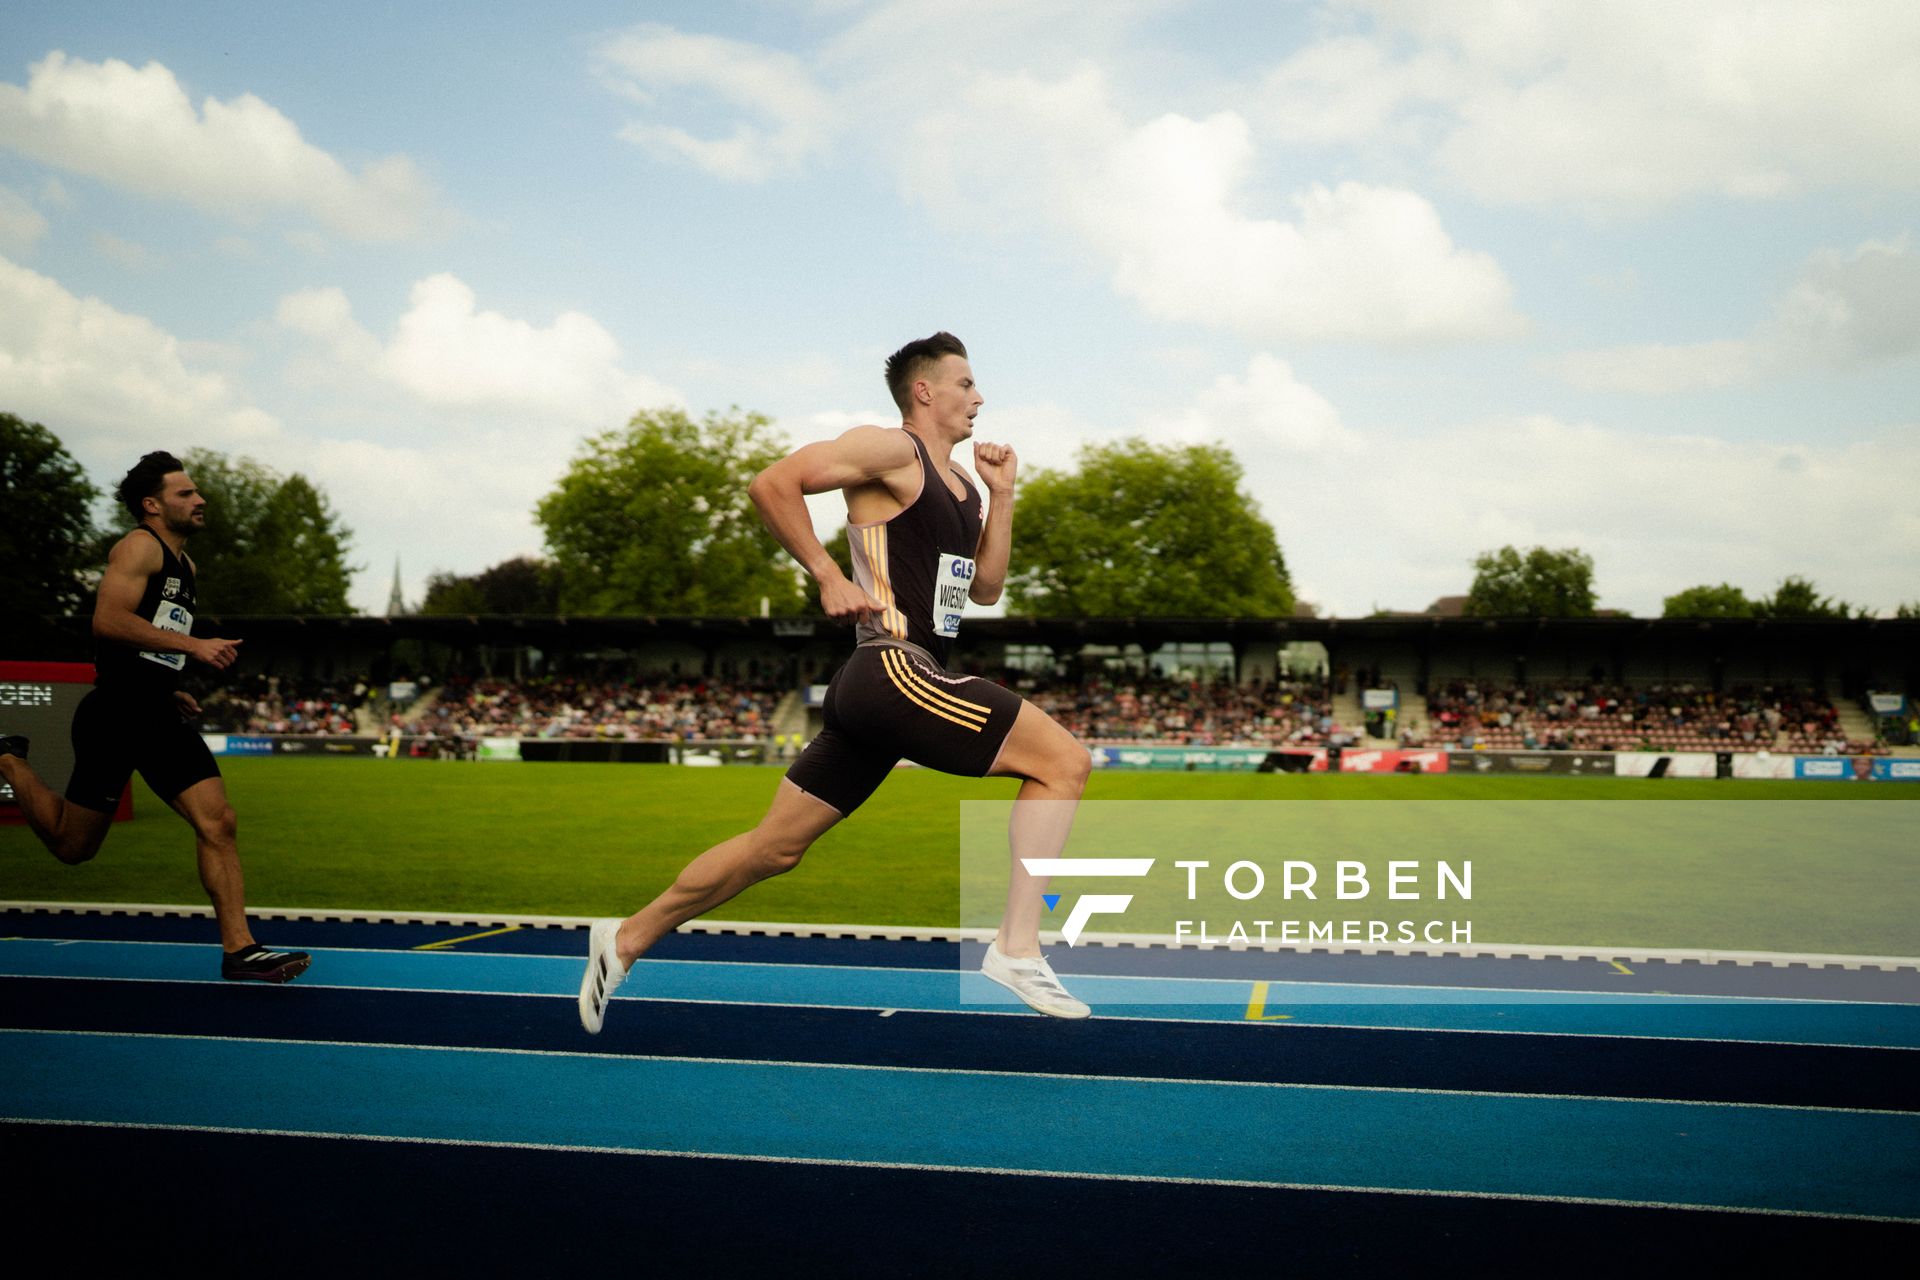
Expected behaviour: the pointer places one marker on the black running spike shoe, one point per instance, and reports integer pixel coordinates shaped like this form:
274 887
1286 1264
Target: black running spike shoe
259 964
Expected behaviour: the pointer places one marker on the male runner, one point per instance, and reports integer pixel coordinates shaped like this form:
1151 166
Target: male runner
920 538
137 716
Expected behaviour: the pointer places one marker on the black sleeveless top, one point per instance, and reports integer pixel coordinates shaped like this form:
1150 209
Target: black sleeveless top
919 563
168 604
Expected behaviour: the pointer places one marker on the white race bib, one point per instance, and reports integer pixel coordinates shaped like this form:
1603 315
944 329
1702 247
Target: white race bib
176 618
952 579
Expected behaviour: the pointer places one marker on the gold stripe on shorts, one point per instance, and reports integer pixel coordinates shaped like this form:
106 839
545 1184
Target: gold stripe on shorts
934 691
893 664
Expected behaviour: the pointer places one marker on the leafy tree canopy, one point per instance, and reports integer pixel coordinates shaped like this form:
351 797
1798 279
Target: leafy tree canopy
48 551
523 585
1796 597
654 518
1539 583
1140 530
1723 601
272 543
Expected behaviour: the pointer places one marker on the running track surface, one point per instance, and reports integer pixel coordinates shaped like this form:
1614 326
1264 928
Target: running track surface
759 1101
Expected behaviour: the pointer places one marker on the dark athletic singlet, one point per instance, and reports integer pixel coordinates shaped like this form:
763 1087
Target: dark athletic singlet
168 604
920 563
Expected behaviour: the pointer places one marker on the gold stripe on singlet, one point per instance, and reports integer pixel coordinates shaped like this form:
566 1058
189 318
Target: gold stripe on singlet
892 621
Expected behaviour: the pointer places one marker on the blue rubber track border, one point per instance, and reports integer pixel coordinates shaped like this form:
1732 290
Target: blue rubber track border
245 1112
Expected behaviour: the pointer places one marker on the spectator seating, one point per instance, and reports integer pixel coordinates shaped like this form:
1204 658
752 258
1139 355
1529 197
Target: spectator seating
563 707
1660 717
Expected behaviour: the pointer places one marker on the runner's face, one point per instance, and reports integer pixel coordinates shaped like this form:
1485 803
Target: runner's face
182 509
955 397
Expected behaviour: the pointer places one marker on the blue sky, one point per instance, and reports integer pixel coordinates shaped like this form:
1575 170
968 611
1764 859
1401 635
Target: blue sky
1636 278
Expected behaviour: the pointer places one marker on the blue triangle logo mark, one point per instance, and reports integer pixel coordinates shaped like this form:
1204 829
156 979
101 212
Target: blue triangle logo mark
1051 899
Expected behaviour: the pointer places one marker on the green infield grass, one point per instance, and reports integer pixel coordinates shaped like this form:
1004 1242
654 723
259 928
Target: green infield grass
590 840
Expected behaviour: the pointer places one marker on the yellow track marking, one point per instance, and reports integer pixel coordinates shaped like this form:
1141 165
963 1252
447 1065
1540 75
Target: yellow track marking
1257 1006
449 942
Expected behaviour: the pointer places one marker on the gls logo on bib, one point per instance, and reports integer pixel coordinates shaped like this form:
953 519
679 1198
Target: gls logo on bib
952 579
175 618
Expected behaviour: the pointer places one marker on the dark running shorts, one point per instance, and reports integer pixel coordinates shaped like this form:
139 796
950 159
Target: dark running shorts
888 703
116 732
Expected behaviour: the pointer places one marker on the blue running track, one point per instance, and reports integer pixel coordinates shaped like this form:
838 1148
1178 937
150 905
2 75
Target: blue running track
440 1111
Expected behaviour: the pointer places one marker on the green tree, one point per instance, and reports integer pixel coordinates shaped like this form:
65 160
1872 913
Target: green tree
1539 584
1907 609
1796 597
272 544
654 518
1723 601
1145 530
522 585
48 544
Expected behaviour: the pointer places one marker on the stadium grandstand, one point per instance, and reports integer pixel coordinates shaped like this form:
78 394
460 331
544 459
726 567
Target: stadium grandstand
1417 683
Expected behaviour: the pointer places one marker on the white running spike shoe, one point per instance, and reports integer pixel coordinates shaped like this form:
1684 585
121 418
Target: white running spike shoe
604 973
1032 979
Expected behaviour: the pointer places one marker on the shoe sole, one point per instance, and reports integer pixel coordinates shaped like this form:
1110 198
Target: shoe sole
282 973
1033 1005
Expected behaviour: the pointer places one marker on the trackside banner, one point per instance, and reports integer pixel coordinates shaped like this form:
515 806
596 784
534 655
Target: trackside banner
238 744
1666 764
1396 760
1555 762
1195 758
1857 768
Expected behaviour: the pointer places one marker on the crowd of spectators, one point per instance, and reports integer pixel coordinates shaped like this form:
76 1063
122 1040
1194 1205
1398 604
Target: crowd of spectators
282 705
1130 708
1104 707
685 709
1665 717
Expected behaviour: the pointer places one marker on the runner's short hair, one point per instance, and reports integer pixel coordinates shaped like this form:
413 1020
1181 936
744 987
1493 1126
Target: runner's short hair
144 481
905 366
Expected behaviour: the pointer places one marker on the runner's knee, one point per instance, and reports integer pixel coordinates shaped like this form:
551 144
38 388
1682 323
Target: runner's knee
779 852
1072 765
220 827
75 847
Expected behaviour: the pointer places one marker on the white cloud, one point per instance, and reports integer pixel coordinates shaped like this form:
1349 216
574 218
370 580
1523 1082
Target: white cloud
1653 369
1376 517
1844 311
106 381
447 353
786 118
1627 105
1164 203
437 440
1850 309
21 225
435 507
326 316
1267 412
137 128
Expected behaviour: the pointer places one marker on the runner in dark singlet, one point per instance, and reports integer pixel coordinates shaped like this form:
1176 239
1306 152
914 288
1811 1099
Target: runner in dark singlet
923 544
137 716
